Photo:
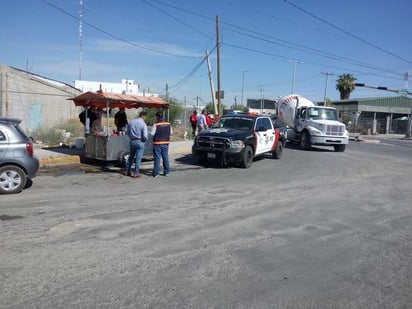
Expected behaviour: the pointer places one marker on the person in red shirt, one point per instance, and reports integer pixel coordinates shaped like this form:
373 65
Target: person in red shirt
193 122
208 120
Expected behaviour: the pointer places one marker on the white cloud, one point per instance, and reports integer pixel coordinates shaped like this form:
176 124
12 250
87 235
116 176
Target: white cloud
116 46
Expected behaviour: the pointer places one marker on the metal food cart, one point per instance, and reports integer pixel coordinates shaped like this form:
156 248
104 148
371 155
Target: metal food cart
105 146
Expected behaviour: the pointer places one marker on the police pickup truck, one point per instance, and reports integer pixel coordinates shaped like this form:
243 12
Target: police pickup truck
238 139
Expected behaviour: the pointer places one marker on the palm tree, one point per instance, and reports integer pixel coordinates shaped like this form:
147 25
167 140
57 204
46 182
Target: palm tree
345 84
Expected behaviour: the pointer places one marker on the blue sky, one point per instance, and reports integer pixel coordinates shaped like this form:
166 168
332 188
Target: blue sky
155 42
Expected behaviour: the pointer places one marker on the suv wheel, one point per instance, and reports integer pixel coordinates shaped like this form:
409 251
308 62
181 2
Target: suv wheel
247 157
12 179
277 153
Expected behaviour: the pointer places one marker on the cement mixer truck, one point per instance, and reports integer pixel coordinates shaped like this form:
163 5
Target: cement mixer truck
312 124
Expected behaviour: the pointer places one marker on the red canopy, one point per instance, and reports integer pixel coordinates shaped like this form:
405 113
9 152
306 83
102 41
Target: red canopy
112 100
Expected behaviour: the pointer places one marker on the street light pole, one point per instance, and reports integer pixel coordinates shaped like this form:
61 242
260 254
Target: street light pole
326 86
294 73
243 83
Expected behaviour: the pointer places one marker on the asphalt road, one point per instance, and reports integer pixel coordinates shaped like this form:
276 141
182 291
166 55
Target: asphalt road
316 229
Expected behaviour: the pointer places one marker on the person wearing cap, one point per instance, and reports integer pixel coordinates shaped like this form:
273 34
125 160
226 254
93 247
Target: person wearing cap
193 122
137 132
161 131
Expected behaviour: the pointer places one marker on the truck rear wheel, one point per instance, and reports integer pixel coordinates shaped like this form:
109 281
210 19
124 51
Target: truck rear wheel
277 153
305 141
247 157
339 148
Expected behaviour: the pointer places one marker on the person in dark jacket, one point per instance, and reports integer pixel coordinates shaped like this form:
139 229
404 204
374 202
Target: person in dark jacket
120 120
161 131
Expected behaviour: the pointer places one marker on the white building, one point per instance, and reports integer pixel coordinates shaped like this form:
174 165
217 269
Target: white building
127 86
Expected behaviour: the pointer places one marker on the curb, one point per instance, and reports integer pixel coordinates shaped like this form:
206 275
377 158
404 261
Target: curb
51 161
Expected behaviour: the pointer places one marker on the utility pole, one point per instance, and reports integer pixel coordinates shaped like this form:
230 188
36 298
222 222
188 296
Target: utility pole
167 99
294 73
80 38
218 65
243 83
326 85
212 88
261 98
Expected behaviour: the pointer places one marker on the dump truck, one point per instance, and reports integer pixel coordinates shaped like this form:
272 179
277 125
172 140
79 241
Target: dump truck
312 124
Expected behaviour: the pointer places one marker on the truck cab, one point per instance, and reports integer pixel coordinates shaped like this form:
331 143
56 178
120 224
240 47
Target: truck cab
319 125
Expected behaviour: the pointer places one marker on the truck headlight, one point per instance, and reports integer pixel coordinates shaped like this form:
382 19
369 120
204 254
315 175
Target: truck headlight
315 131
237 144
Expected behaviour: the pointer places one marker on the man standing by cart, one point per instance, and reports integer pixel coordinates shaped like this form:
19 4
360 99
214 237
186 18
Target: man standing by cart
120 120
137 132
161 131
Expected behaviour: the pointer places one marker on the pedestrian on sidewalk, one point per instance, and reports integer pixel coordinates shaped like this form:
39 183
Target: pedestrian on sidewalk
193 123
201 122
137 132
161 131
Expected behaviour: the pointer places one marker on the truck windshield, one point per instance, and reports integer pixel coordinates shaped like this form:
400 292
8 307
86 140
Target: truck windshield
238 123
322 113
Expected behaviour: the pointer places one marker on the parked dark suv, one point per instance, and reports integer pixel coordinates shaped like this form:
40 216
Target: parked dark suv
17 163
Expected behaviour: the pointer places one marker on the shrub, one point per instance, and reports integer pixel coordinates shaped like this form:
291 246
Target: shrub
54 135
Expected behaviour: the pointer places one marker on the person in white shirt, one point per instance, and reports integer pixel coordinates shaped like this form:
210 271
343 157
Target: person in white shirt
201 122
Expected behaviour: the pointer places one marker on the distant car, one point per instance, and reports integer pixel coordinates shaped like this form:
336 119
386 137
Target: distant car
17 163
288 133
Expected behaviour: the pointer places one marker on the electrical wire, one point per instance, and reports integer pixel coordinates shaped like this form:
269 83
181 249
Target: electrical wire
347 32
284 43
187 77
177 19
115 36
315 51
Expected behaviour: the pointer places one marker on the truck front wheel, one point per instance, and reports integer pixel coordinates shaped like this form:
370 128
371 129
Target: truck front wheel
339 148
305 141
247 157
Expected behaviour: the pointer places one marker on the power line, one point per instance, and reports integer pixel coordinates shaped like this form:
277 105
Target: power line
309 50
115 36
347 32
269 39
313 63
177 19
182 81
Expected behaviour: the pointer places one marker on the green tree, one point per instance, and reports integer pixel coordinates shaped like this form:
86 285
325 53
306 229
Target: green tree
174 112
211 109
329 103
345 84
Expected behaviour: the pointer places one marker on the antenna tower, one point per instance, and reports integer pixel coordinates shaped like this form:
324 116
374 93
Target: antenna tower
80 38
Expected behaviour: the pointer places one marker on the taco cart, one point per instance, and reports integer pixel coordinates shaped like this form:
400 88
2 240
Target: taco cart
104 145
